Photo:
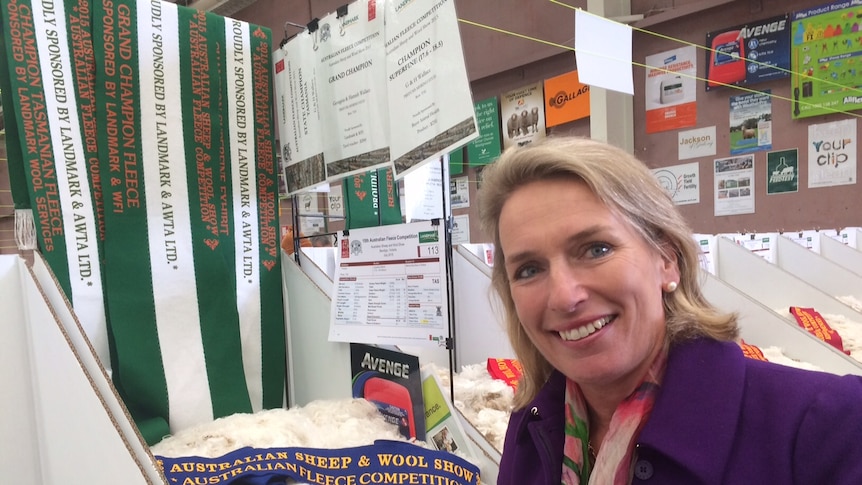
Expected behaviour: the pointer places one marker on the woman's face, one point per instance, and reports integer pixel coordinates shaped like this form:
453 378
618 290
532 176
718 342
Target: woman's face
587 288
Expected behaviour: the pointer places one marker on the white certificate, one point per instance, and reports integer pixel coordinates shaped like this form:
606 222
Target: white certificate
299 114
351 82
430 105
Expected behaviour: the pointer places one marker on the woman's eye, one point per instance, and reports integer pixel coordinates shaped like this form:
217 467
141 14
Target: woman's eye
525 272
598 250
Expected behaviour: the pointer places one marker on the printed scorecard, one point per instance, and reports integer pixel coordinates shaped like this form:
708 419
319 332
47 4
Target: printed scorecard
390 286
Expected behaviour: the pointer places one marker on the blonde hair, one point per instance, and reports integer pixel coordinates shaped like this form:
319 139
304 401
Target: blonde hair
628 188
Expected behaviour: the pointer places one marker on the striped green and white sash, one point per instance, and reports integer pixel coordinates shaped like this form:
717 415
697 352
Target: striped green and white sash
172 121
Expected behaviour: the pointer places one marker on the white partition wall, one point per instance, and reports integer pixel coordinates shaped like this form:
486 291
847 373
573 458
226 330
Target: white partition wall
479 331
817 270
17 418
318 369
769 284
842 254
762 327
63 421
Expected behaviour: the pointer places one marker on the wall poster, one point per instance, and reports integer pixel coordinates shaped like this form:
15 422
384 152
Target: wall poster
670 90
734 180
682 182
566 99
750 122
832 153
487 147
782 171
825 45
696 143
523 115
746 54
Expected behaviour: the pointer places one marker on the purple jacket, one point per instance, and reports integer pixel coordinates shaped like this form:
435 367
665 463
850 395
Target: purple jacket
720 418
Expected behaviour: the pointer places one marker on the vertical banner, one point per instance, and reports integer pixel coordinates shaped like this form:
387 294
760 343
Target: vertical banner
148 127
429 92
566 99
364 206
194 285
255 215
50 69
351 79
824 47
488 146
832 153
747 54
782 171
670 90
734 179
523 116
750 122
299 114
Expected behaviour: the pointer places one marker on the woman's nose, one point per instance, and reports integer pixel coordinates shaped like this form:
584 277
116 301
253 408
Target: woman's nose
566 290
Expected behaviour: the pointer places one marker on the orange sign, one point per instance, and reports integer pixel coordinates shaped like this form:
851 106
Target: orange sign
566 99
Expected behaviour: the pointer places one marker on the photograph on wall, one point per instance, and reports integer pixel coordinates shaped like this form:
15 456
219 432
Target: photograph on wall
566 99
391 381
824 49
522 113
832 153
782 171
682 182
488 146
351 84
430 104
670 90
734 185
696 143
747 54
750 122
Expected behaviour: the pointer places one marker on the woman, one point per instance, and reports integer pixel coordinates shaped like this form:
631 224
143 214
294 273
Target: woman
630 375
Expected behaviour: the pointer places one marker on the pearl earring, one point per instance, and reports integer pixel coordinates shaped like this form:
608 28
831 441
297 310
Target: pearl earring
671 287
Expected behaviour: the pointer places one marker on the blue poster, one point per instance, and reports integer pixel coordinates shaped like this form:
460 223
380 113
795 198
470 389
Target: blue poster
746 54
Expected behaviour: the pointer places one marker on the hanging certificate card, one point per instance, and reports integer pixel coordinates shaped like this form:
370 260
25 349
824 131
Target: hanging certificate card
299 114
390 286
429 92
351 83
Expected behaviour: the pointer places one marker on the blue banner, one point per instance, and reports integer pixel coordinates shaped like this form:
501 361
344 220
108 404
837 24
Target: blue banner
383 463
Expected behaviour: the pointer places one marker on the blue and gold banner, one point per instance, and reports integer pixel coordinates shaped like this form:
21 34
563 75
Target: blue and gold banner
384 462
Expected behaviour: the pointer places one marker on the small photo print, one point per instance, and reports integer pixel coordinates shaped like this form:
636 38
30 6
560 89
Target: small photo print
443 440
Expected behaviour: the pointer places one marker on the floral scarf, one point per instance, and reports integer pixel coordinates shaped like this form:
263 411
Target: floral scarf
613 464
